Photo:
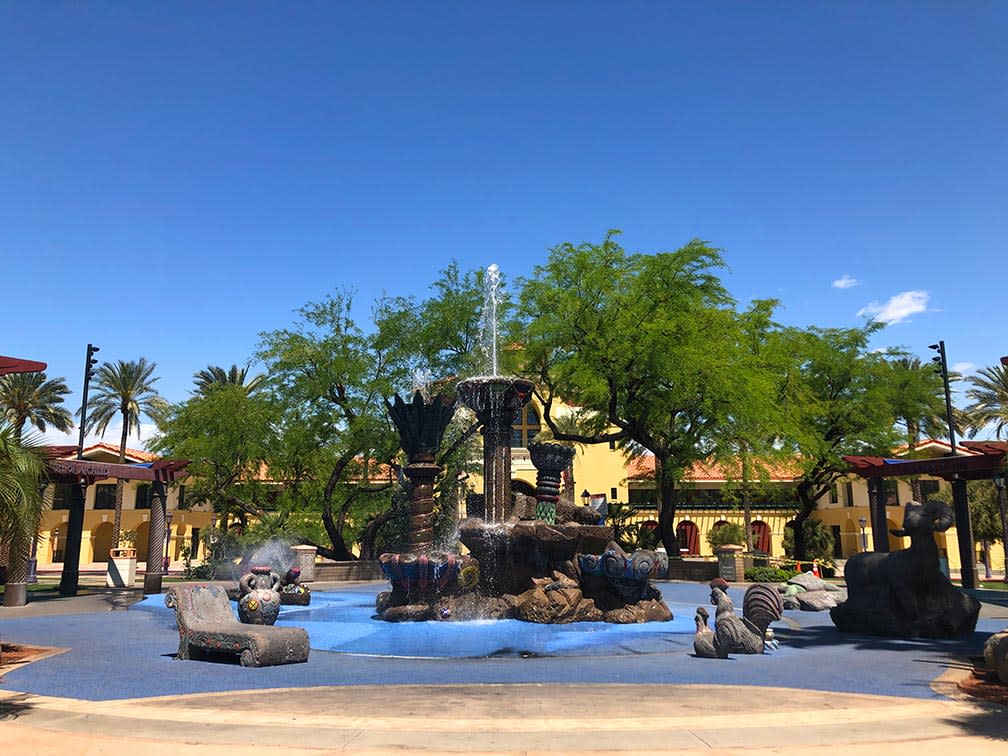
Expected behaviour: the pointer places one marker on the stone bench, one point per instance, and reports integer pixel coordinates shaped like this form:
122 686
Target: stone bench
207 627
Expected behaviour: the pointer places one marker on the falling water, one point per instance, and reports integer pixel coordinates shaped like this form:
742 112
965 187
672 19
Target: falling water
422 380
491 297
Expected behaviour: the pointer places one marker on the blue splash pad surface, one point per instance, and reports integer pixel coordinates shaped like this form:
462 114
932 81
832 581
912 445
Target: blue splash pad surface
344 622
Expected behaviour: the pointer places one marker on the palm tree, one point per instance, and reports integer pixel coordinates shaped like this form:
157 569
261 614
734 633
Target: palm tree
31 398
213 375
124 390
989 395
21 500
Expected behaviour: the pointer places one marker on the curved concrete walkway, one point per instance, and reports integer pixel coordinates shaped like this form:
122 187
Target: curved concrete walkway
502 719
519 717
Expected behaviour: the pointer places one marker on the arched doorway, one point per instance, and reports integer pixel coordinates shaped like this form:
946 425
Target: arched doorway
688 536
760 536
101 542
522 487
142 533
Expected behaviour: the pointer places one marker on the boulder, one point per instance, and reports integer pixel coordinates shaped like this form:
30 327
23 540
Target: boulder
996 654
815 601
791 602
808 581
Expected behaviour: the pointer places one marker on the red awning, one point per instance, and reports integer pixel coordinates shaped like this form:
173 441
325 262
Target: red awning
17 365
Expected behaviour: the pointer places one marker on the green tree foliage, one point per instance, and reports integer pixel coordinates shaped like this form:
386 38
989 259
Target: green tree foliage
840 398
21 502
124 390
988 395
227 434
647 341
33 398
336 444
213 376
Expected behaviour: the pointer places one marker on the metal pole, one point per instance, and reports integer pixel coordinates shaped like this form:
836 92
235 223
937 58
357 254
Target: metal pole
942 360
964 533
999 482
88 365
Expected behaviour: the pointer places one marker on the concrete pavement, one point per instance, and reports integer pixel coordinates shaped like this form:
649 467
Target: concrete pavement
498 718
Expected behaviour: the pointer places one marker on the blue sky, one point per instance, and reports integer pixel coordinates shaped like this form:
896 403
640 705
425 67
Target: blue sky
176 178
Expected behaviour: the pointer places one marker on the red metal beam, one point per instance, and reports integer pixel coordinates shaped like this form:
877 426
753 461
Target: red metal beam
18 365
77 470
987 464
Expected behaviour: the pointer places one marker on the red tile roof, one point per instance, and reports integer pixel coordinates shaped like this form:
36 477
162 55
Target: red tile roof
643 468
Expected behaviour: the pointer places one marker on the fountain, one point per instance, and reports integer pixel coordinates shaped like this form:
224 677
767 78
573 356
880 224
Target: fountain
520 565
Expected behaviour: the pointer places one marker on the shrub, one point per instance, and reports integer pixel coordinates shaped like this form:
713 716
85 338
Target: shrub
818 540
768 575
731 532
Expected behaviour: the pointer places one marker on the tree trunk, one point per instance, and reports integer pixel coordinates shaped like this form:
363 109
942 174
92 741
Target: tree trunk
339 550
667 497
746 504
120 485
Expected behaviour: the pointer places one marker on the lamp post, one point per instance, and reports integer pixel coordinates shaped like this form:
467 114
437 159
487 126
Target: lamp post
585 497
167 557
942 369
864 538
89 364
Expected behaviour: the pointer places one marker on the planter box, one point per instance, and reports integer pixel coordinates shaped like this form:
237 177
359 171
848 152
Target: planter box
121 569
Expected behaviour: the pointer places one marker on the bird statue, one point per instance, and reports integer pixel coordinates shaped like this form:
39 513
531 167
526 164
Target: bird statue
733 634
761 605
704 644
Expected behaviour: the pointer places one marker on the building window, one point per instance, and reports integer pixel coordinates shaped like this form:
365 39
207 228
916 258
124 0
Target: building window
525 426
143 496
929 488
104 496
61 495
181 498
613 494
890 492
644 498
834 494
849 494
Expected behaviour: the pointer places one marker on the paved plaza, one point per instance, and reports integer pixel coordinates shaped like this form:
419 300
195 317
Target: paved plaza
118 680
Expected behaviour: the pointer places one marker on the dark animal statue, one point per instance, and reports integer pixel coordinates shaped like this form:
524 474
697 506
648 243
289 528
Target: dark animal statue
733 634
904 594
703 642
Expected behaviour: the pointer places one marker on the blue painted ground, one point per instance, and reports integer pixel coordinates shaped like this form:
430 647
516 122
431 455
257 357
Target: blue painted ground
118 654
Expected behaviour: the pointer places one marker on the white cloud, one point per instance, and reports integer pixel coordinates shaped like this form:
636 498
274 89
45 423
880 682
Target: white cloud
845 282
898 308
963 367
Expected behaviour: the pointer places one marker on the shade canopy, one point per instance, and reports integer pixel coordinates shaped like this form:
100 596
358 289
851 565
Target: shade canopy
18 365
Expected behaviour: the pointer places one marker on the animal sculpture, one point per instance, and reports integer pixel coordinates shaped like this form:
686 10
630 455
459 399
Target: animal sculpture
704 644
904 593
733 634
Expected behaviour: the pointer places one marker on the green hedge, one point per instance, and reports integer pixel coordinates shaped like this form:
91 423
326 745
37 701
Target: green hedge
768 575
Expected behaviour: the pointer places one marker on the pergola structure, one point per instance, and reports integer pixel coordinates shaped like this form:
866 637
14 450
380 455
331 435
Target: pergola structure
985 461
83 473
18 365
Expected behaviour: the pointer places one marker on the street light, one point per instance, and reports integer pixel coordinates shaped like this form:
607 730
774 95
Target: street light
864 538
585 497
89 364
167 557
942 369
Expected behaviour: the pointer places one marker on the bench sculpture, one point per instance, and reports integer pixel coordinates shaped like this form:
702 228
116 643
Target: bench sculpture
905 594
207 627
